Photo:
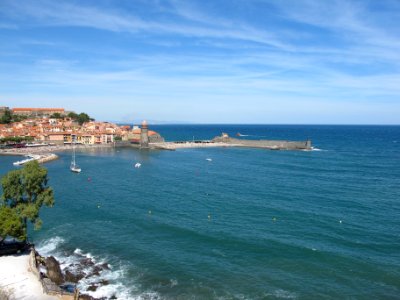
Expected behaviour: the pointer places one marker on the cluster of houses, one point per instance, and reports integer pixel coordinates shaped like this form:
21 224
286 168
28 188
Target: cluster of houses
65 130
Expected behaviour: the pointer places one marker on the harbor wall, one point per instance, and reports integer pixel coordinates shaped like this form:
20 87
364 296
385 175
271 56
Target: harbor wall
266 144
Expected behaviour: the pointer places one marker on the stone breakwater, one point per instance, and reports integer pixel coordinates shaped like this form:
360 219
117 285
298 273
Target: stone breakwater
226 141
181 145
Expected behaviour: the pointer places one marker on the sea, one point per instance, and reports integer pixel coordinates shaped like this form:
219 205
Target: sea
232 223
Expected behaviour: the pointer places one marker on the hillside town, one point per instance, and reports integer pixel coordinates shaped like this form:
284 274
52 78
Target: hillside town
56 126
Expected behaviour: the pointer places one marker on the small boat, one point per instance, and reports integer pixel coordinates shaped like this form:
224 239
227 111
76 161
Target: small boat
74 167
138 165
209 159
36 144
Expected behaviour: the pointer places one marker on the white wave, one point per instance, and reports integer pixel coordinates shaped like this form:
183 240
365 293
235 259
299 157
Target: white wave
174 282
317 149
115 277
47 247
117 291
148 296
78 251
284 294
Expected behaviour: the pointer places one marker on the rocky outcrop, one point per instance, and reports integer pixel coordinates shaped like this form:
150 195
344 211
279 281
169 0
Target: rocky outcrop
54 271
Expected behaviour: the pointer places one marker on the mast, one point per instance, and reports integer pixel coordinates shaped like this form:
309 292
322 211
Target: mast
73 153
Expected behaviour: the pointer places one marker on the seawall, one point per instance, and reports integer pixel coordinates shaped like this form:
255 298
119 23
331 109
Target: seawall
266 144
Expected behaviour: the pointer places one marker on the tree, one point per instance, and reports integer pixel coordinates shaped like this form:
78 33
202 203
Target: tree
25 191
18 118
57 116
83 118
72 115
11 224
6 118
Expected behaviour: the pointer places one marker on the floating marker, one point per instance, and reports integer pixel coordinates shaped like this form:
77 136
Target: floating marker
149 212
98 206
274 219
340 221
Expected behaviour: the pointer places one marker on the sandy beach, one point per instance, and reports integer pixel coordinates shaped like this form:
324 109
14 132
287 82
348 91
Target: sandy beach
16 278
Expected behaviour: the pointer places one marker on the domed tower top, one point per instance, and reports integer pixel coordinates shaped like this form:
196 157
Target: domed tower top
144 124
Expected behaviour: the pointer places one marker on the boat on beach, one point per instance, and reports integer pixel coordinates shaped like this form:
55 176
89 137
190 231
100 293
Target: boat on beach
36 144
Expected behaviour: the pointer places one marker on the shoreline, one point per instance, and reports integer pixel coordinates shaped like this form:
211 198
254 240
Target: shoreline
50 149
46 153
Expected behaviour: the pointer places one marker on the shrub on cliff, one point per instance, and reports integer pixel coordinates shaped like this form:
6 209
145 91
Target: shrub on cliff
25 191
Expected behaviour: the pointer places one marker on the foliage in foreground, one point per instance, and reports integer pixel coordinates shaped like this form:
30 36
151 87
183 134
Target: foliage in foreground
25 191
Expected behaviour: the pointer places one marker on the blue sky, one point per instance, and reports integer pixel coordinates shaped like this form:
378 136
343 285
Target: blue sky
237 61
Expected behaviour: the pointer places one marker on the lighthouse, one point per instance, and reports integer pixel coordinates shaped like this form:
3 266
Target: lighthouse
144 136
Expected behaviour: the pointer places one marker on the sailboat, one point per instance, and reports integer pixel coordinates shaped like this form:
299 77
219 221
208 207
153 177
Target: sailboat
74 167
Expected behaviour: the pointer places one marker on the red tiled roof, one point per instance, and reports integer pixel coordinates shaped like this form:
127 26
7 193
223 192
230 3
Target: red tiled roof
138 131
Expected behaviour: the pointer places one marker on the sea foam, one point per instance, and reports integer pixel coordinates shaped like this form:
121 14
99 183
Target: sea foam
108 280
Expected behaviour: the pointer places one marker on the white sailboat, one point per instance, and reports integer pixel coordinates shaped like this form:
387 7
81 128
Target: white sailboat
74 167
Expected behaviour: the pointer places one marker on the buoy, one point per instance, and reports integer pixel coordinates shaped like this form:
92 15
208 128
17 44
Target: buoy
208 159
149 212
274 219
98 206
340 221
89 179
209 217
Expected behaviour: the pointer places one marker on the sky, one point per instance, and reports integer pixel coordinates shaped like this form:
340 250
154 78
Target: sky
205 61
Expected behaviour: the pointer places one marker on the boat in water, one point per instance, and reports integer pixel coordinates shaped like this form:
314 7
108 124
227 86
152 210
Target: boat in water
74 167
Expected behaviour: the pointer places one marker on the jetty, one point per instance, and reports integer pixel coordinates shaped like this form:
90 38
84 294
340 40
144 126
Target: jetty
226 141
41 158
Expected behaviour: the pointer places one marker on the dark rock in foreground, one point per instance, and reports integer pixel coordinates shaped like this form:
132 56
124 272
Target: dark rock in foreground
54 271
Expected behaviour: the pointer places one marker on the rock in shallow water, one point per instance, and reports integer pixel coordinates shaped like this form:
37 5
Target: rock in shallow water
73 277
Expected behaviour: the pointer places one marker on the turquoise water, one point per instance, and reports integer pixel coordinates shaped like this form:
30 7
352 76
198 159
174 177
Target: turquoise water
250 224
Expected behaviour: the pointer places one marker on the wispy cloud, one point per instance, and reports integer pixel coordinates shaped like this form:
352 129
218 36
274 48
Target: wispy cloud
301 58
50 13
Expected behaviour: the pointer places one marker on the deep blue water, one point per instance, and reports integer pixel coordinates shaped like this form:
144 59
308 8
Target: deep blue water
250 224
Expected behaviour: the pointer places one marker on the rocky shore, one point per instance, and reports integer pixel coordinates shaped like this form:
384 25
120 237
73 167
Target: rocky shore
62 275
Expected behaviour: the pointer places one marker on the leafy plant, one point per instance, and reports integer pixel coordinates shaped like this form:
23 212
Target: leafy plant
25 191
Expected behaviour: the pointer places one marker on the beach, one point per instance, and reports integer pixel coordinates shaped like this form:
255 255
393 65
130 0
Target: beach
16 278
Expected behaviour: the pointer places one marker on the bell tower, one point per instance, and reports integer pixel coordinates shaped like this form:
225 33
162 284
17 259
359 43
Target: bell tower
144 136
